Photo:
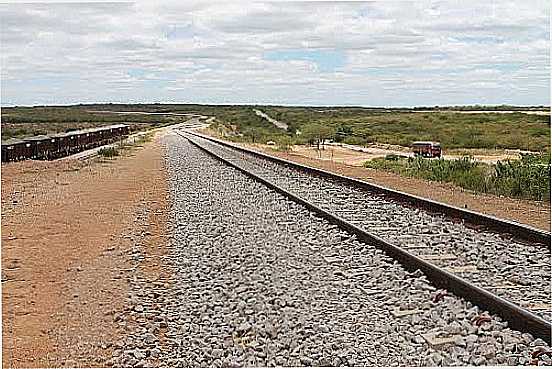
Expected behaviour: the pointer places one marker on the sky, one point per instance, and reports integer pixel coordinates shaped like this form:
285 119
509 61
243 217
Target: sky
381 53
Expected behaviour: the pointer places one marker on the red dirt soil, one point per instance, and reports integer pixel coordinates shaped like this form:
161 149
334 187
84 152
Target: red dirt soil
65 227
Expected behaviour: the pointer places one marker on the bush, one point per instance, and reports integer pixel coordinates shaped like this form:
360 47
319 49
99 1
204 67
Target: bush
108 152
454 130
284 143
393 157
527 178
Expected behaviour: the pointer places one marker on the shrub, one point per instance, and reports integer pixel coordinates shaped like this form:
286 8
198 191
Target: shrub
393 157
284 143
527 178
108 152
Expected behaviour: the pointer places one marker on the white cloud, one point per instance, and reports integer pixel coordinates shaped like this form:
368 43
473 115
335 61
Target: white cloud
393 53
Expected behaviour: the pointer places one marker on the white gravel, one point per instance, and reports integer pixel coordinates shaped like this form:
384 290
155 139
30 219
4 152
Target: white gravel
517 271
258 280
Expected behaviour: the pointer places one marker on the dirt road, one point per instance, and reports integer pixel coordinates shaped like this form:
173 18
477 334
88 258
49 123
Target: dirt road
68 228
278 124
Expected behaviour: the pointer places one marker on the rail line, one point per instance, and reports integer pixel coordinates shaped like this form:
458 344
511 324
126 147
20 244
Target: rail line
515 269
518 317
473 218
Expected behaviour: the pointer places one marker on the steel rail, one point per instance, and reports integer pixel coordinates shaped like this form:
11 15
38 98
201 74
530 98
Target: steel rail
517 317
470 217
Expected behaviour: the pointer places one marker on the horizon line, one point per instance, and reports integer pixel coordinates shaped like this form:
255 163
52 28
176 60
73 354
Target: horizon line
277 105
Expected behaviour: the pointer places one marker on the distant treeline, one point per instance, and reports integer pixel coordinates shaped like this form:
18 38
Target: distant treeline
353 125
32 121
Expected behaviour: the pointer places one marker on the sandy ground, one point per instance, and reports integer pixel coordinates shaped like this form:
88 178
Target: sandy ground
347 162
343 154
67 228
357 155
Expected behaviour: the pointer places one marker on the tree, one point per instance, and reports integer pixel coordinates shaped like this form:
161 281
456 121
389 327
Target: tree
343 131
318 133
253 134
284 143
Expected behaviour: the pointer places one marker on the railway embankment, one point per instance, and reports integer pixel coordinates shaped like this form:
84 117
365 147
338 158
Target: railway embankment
166 256
259 280
72 231
532 213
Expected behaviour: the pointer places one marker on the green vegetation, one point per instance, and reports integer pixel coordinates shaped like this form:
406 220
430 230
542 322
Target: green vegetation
143 138
108 152
284 143
353 125
126 147
316 133
244 125
362 126
528 178
69 115
32 121
484 108
454 130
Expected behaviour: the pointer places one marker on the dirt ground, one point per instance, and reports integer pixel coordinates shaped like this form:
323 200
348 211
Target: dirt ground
67 230
348 162
357 155
342 154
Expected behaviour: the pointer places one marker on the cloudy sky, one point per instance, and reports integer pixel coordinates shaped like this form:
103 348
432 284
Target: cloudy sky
383 53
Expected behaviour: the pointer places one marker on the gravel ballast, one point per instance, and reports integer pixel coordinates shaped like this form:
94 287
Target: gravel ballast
258 280
517 271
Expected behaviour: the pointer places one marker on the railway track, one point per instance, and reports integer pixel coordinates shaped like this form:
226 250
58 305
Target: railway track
436 245
259 279
474 219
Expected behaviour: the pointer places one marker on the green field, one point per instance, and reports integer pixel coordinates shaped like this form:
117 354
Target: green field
23 121
453 130
527 178
350 125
